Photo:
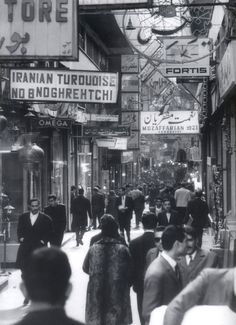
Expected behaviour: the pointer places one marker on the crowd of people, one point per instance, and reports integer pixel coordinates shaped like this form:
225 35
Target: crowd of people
165 265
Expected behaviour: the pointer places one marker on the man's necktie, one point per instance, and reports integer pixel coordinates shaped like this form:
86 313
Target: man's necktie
190 259
177 273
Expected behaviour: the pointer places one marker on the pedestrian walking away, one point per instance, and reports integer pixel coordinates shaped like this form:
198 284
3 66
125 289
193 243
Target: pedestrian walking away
81 210
98 206
138 250
57 212
197 215
109 266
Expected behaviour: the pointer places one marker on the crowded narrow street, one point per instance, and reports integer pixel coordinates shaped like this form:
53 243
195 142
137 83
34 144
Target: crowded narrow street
11 298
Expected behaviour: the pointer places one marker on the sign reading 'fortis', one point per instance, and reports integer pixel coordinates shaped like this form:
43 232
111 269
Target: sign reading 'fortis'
63 86
172 122
38 28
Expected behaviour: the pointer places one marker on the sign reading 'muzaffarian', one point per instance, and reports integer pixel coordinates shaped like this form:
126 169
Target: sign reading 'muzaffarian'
38 29
172 122
63 86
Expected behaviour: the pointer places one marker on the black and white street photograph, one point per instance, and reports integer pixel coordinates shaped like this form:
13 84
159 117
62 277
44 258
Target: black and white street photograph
117 162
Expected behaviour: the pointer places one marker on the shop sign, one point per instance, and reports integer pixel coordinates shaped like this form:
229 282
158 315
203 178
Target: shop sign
227 70
129 64
127 156
180 50
103 118
86 4
172 122
133 140
57 123
130 82
157 82
38 29
118 131
63 86
130 118
113 143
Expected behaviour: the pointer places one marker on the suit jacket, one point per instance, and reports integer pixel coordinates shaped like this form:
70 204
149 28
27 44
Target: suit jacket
34 236
138 250
203 259
160 286
211 287
198 209
58 216
81 209
54 316
163 221
128 205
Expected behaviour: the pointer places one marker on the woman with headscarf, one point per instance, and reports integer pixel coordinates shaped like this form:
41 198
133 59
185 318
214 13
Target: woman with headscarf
108 263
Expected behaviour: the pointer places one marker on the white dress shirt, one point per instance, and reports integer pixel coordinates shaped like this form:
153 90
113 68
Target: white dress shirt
33 218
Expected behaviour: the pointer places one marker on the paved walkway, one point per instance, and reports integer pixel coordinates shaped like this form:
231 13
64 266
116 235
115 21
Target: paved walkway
11 298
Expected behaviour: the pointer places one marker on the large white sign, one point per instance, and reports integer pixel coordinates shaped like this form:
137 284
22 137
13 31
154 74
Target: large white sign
172 122
227 70
113 143
111 2
36 28
180 50
63 86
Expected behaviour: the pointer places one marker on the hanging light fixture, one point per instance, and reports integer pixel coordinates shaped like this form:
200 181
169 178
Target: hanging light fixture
3 122
130 25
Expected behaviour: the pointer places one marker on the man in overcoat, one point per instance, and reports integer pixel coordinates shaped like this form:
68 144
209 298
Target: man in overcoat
81 210
34 230
57 212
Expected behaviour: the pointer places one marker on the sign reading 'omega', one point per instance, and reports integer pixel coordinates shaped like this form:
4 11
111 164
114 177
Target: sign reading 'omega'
63 86
38 28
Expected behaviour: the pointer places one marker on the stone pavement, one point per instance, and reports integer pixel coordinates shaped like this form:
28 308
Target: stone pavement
11 298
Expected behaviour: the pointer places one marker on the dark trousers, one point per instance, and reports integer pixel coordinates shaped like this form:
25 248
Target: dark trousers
57 238
124 223
138 216
140 305
181 213
96 216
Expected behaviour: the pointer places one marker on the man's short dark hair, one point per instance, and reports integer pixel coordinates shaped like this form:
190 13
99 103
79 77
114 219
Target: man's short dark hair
149 220
52 196
47 275
170 235
81 191
34 199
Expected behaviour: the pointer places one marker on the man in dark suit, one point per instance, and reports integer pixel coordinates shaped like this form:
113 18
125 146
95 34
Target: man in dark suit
81 210
162 280
196 259
138 250
168 216
216 287
34 230
98 206
57 212
197 211
125 209
46 284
